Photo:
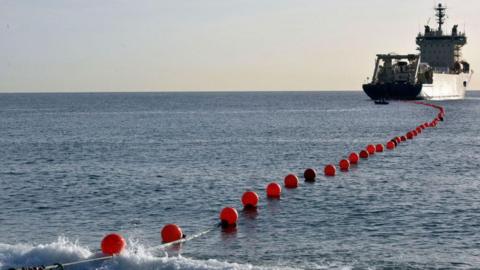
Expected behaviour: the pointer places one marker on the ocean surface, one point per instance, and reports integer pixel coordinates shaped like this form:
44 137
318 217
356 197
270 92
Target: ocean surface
74 167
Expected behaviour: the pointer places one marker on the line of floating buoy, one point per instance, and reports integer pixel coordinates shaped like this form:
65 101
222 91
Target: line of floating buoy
371 149
250 199
113 244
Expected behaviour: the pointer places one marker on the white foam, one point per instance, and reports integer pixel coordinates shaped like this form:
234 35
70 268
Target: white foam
62 250
135 257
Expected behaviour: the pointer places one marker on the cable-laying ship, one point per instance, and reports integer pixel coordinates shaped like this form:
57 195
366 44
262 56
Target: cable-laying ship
438 72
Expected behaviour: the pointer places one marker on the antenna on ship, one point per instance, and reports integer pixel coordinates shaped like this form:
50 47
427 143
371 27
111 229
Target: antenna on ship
440 9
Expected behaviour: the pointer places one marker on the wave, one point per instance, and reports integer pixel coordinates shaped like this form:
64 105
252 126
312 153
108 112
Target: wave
135 257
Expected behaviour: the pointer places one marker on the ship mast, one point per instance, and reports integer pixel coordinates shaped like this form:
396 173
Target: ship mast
440 16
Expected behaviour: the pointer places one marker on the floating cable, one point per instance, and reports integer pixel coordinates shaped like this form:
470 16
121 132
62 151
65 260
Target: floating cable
182 240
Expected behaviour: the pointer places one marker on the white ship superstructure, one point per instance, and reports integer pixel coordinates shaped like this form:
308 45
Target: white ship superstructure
438 72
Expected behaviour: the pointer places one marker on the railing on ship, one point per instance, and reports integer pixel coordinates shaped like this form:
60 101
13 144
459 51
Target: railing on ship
444 70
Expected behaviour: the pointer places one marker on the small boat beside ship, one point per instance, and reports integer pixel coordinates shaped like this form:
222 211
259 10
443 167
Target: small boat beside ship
438 72
381 102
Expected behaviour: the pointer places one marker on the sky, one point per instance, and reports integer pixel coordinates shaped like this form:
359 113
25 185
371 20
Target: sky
212 45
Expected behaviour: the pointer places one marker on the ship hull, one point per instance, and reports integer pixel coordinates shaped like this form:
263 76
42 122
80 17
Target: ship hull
444 87
392 91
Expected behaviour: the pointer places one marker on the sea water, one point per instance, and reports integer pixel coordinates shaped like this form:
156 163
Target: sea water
74 167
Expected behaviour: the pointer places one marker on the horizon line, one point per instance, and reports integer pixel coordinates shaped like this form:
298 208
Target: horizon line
178 91
165 91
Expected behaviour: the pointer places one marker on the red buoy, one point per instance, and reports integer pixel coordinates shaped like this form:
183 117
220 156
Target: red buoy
330 170
250 199
403 139
419 130
364 154
409 135
170 233
310 174
398 140
394 141
291 181
390 145
379 148
370 149
415 133
228 216
353 158
344 165
274 190
113 244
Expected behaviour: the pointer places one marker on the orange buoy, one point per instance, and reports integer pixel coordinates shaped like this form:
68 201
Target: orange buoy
291 181
390 145
170 233
274 190
228 216
310 174
364 154
112 244
370 149
250 199
344 165
330 170
379 148
403 139
353 158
